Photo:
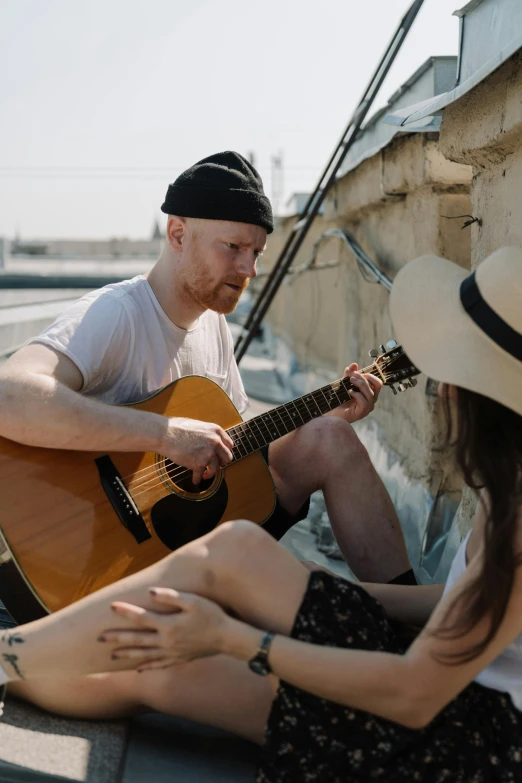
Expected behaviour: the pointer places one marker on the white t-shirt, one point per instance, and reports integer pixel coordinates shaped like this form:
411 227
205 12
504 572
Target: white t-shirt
504 673
126 347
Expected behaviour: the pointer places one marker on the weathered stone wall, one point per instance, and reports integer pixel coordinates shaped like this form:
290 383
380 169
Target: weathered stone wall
397 205
484 130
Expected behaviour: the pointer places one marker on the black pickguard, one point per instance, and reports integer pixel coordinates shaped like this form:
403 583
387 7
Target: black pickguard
178 520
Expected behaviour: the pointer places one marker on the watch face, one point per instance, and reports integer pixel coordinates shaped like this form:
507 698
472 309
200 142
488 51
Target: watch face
258 666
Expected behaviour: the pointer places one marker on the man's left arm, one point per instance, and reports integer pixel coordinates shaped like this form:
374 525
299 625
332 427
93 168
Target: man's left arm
363 397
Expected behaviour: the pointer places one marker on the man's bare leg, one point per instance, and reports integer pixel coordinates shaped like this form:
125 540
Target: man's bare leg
238 565
326 454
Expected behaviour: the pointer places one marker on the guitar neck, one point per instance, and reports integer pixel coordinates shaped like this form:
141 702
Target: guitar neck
254 434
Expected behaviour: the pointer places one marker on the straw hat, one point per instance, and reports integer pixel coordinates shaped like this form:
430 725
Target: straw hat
464 329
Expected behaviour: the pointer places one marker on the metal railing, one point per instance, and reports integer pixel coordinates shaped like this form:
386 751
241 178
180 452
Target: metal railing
327 179
368 268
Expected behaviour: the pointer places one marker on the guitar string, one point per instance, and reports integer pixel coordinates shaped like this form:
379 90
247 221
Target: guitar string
328 386
241 441
155 481
244 433
246 441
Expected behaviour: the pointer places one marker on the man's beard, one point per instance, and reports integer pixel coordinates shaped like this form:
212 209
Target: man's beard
218 298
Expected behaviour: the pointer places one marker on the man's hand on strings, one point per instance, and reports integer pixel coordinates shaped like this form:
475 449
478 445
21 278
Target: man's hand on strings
363 396
200 446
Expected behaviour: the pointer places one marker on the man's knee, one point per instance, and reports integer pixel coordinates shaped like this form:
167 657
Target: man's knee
335 436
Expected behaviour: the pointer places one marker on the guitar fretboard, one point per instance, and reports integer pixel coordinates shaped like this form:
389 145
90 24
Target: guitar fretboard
252 435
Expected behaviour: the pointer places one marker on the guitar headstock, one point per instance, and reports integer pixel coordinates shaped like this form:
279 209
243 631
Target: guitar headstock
392 365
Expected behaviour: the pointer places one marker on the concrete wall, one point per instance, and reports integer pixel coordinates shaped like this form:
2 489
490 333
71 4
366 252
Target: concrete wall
397 206
484 130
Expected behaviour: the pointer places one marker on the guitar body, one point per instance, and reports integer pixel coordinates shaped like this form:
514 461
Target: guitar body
73 522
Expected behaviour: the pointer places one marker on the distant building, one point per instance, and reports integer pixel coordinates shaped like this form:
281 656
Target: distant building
4 251
91 249
297 203
156 233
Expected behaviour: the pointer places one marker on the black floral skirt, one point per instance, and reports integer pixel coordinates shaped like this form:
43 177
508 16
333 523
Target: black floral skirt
477 738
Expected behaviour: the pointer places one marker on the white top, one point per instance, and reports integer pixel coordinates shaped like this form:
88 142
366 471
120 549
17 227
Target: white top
505 672
126 347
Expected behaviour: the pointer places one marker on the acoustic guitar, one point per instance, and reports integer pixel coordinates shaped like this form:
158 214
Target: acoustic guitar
73 522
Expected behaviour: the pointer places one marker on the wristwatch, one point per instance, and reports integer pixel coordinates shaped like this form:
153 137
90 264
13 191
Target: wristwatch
259 663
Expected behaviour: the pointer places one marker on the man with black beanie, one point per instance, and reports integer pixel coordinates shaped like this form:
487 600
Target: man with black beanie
221 187
124 342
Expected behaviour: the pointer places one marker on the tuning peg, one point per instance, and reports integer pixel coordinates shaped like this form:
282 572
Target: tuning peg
392 387
382 349
391 344
402 387
413 382
373 352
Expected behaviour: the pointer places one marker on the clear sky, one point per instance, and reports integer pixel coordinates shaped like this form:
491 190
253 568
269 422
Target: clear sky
105 102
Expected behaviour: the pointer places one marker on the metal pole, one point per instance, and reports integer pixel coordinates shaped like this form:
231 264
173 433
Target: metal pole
300 229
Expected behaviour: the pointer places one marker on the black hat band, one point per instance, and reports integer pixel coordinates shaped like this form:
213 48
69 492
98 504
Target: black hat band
488 320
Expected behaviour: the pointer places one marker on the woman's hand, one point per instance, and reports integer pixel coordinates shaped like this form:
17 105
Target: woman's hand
195 628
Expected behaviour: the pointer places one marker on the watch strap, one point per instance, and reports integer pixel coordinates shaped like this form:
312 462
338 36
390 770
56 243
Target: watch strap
259 663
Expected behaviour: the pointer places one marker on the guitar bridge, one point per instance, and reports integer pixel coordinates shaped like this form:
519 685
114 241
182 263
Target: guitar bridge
121 499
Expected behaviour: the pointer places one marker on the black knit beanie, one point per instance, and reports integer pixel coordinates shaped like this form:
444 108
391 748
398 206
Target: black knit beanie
224 186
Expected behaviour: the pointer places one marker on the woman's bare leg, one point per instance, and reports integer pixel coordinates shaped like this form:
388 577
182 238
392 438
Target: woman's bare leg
238 565
219 692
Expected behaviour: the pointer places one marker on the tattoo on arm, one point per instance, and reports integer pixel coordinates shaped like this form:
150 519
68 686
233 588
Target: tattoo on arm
13 660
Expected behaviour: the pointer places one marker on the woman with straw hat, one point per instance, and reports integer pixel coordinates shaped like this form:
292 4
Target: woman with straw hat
332 689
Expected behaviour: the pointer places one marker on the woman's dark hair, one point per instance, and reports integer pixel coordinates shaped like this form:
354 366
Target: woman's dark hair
488 447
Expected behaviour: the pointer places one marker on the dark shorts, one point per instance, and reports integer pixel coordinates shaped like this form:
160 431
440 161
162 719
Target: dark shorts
280 520
476 738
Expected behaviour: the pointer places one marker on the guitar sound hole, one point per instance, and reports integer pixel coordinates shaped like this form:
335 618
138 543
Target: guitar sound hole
182 478
178 520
